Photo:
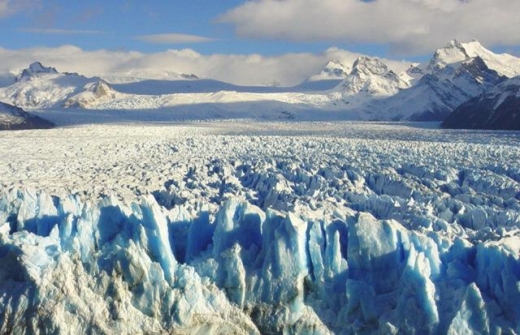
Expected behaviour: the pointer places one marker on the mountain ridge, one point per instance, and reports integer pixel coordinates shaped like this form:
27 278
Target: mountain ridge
367 89
14 118
497 108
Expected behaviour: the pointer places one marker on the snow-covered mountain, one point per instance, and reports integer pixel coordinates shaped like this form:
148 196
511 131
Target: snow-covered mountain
333 70
456 52
35 70
12 118
497 108
455 74
39 86
134 76
369 79
93 94
365 90
428 91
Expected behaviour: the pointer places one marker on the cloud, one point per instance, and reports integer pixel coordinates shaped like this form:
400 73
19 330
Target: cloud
11 7
253 69
52 31
174 39
408 26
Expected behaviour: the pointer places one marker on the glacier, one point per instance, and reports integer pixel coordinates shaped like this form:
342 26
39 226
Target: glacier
75 267
356 229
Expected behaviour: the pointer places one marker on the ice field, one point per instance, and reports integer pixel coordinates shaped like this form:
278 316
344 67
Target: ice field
259 227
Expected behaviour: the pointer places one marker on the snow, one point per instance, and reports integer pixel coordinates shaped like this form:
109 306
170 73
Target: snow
37 88
259 227
136 216
135 76
504 64
456 52
334 69
371 76
366 89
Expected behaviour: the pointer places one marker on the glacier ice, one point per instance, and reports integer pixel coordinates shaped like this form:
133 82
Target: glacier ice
73 266
351 231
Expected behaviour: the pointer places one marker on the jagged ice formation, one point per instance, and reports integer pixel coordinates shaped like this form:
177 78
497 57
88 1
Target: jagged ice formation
304 234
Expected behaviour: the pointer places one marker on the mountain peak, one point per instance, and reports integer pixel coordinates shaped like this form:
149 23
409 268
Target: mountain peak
455 53
37 68
369 66
453 43
473 45
373 77
333 64
334 69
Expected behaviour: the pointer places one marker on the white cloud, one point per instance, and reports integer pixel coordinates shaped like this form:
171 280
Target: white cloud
10 7
287 69
408 26
174 39
52 31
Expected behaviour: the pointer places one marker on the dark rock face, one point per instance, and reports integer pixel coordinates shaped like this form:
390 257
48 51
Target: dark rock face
36 68
31 122
497 109
14 118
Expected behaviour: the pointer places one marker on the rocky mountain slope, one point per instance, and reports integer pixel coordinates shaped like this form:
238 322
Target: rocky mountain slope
455 74
14 118
498 108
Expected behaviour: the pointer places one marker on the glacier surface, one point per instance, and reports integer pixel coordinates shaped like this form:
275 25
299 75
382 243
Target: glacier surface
351 228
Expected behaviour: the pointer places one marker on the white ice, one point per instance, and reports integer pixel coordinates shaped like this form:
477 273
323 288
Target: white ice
251 227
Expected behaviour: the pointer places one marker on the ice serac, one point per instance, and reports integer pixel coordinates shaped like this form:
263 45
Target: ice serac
72 266
107 268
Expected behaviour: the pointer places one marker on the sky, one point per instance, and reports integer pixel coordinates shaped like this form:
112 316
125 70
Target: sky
260 32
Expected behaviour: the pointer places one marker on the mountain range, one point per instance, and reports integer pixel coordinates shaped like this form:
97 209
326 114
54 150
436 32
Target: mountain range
459 74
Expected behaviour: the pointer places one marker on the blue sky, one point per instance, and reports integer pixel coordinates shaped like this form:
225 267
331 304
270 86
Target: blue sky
116 25
248 42
238 27
111 25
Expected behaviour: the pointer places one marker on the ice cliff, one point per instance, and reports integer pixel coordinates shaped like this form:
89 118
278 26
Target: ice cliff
71 266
